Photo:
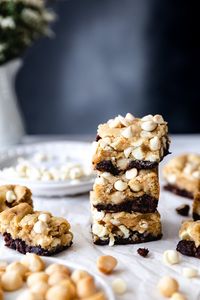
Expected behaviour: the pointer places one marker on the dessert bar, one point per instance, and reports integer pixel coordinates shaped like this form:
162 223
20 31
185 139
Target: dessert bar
26 230
126 142
125 228
190 239
182 175
136 190
196 207
12 195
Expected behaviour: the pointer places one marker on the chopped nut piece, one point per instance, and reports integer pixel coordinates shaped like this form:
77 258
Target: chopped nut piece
183 210
119 286
106 264
143 251
167 286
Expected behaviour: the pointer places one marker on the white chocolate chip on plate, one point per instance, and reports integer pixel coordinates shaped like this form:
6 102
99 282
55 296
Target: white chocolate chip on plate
190 272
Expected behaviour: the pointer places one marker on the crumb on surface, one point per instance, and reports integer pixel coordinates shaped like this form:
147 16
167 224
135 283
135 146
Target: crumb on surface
143 251
183 210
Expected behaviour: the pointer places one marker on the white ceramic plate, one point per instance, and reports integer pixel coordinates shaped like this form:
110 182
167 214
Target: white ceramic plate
79 152
100 283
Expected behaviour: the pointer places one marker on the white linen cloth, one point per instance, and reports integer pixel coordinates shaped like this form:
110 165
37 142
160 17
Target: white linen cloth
141 274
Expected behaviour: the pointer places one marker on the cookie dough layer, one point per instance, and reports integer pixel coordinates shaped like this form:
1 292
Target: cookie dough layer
25 227
115 228
182 175
133 191
12 195
124 143
196 207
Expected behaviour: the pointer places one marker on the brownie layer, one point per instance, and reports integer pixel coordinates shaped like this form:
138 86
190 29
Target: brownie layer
22 247
134 238
195 216
143 204
176 190
188 248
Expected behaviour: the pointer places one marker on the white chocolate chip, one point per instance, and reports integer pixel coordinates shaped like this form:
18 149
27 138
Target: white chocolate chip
40 227
128 151
129 117
154 143
196 174
143 224
148 125
127 133
158 119
112 240
122 163
147 118
98 215
114 123
171 257
138 153
119 286
123 121
10 196
190 272
146 134
99 230
120 185
138 142
125 231
100 181
130 174
105 142
44 217
171 178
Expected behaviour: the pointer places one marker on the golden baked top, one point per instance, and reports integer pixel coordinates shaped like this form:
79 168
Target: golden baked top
135 138
190 230
35 227
12 195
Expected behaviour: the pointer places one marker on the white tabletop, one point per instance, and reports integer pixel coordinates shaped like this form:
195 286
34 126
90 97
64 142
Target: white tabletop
141 274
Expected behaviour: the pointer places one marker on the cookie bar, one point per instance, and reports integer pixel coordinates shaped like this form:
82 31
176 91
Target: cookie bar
182 175
196 207
12 195
39 232
190 239
136 190
126 142
125 228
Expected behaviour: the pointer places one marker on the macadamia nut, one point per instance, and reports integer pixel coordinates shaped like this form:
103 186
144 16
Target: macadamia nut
37 277
106 264
78 275
167 286
57 267
178 296
11 281
57 277
58 292
33 262
86 287
18 268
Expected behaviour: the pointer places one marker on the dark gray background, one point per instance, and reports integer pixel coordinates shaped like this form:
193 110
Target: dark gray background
111 57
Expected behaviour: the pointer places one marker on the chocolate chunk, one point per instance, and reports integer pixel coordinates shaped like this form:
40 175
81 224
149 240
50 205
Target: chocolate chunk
196 216
143 204
183 210
22 247
188 248
98 138
140 164
107 166
181 192
143 251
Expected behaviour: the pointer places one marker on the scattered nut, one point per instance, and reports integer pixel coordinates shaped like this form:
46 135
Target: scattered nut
190 272
143 251
58 292
178 296
183 210
106 264
119 286
167 286
39 288
68 283
171 257
11 281
33 262
86 287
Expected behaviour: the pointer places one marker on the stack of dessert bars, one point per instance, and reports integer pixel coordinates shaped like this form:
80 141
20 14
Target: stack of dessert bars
126 191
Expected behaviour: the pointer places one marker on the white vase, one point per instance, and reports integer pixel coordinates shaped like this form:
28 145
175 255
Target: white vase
11 123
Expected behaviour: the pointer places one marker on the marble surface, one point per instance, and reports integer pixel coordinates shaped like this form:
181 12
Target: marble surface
141 274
